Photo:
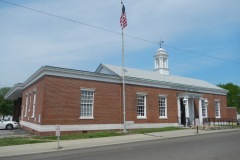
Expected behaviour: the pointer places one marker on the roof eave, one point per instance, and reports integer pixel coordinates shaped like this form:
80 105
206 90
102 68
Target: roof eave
176 86
15 92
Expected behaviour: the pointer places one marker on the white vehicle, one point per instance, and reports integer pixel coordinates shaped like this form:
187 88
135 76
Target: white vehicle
4 124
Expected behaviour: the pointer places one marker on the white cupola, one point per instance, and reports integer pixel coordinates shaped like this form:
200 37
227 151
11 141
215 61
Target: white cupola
161 62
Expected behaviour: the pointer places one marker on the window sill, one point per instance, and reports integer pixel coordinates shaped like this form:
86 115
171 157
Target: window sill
141 117
32 117
86 117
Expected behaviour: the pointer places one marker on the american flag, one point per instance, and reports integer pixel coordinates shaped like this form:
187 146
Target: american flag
123 18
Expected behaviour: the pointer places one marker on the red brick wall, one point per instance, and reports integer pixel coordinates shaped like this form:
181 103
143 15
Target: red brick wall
39 87
62 101
152 103
211 109
232 113
58 102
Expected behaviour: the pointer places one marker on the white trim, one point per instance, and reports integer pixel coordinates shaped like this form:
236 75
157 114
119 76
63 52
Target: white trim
91 127
141 117
145 106
219 111
179 110
30 101
166 107
86 117
142 93
26 105
34 104
200 111
16 90
163 95
88 89
203 104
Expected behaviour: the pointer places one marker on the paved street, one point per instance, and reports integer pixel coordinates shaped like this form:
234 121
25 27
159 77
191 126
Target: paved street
214 146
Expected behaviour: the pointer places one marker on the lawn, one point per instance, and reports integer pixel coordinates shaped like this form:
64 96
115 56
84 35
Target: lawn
42 139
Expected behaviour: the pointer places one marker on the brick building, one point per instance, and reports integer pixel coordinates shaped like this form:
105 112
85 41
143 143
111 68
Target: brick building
85 101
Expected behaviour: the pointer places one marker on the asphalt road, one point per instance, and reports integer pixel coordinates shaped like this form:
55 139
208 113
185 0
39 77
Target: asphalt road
219 146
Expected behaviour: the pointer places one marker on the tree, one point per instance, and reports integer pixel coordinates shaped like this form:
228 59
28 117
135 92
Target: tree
233 96
6 106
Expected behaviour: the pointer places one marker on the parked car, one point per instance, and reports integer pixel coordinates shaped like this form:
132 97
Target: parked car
5 124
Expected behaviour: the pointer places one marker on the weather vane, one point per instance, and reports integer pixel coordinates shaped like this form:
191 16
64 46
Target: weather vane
160 43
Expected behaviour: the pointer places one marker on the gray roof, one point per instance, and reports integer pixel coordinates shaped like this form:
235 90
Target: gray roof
113 74
176 82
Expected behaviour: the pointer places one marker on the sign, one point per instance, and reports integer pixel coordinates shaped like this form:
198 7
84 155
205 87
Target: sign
58 130
197 121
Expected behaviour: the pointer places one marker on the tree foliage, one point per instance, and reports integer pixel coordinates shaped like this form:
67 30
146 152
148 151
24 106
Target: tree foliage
6 106
233 96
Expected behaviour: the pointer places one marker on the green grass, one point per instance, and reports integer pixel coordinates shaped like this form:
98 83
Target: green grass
19 141
151 130
81 135
42 139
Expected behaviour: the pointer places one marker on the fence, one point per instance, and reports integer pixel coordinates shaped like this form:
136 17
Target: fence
218 121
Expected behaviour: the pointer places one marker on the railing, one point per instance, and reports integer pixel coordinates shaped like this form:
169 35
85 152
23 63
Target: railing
218 121
208 121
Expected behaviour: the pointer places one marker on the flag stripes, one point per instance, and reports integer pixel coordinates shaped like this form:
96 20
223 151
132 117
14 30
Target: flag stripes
123 18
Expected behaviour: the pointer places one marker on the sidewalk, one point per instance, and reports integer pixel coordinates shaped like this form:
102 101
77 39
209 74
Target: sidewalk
94 142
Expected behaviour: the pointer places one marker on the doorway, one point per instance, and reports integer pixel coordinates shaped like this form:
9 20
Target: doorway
183 113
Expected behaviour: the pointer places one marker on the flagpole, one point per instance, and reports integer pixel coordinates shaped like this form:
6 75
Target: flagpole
123 85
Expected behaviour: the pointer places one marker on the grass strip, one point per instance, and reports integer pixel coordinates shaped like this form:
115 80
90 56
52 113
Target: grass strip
19 141
151 130
42 139
81 135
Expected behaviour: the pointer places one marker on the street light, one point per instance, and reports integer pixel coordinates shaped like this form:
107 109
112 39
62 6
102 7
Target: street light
206 102
185 101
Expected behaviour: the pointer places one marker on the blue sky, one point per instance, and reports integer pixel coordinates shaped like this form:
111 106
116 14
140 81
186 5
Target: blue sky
211 28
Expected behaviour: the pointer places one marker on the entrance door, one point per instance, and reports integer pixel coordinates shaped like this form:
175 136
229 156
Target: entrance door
183 113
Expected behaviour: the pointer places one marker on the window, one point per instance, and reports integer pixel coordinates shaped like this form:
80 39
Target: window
39 118
157 63
217 109
34 104
164 62
162 107
141 105
26 107
30 101
87 101
204 109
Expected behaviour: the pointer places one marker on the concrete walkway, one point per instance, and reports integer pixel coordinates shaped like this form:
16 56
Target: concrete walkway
94 142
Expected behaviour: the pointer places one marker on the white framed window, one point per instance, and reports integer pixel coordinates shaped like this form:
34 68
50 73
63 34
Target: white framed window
217 108
204 109
39 118
87 103
30 101
162 106
34 104
26 106
141 105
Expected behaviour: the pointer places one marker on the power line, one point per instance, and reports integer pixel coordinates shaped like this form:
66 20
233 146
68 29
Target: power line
209 56
114 32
